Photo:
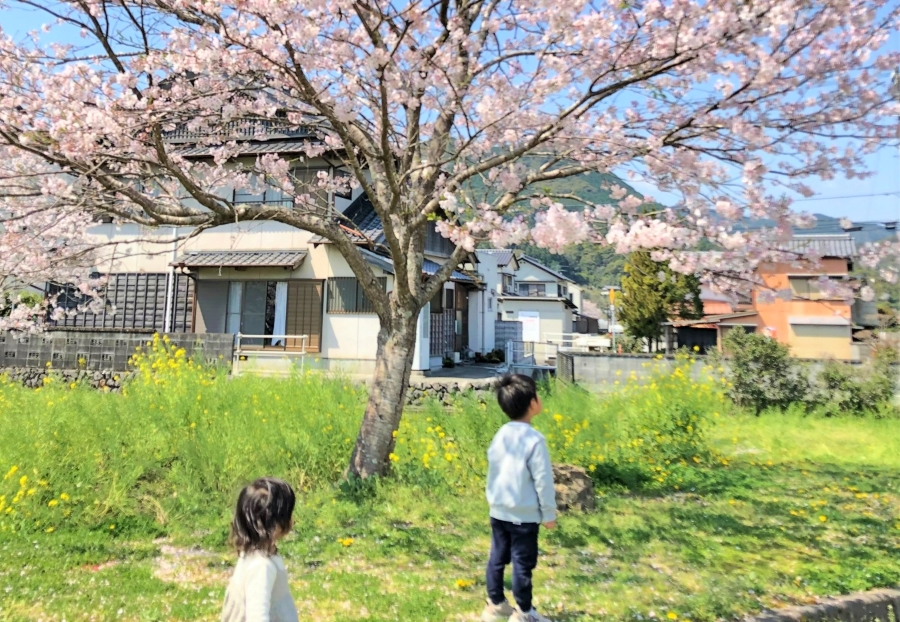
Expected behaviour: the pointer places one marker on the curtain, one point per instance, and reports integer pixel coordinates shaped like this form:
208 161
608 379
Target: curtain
281 296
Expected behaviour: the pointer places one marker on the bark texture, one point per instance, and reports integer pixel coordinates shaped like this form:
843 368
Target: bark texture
387 395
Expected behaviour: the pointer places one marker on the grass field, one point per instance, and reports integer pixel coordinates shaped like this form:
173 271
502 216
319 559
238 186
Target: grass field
774 510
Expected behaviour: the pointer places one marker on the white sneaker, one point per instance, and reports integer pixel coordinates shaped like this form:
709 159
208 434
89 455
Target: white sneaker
497 613
531 616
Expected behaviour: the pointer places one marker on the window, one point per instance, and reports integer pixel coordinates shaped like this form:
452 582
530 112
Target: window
306 182
509 284
450 296
269 196
252 310
275 309
563 290
437 302
532 289
807 288
436 244
346 295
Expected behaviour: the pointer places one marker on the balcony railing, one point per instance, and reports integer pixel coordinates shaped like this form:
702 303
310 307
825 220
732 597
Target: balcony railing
247 129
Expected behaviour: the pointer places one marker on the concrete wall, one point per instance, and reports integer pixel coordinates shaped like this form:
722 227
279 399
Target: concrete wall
100 350
600 371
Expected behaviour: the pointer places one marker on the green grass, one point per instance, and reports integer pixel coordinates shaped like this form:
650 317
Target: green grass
148 498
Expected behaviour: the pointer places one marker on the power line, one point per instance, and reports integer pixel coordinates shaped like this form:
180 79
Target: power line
850 196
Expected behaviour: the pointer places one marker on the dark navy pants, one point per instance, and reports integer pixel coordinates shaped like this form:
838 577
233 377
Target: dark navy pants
517 544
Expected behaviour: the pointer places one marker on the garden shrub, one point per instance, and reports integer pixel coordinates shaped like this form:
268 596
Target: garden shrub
870 388
762 373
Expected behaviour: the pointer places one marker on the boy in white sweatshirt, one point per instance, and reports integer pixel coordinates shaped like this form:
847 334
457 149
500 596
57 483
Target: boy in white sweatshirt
521 497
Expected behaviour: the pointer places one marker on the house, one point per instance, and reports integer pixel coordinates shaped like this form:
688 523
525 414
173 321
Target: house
519 288
803 315
287 292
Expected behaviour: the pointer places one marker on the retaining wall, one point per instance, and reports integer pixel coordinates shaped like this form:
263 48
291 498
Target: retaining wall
874 606
601 370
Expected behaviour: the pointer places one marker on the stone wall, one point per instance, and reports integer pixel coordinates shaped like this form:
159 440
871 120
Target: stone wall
421 391
874 606
34 377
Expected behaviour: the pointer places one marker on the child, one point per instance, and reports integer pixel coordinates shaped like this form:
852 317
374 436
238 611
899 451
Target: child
521 496
258 590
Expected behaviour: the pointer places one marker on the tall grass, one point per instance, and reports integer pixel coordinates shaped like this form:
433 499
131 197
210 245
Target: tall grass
179 440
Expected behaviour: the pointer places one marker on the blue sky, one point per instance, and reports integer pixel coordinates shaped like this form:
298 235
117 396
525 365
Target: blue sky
876 198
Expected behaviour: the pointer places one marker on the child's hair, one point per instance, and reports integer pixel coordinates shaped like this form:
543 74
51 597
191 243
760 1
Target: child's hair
515 392
263 507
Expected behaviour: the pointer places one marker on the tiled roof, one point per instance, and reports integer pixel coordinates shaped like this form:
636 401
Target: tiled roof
538 264
241 259
839 246
362 214
428 267
503 255
249 148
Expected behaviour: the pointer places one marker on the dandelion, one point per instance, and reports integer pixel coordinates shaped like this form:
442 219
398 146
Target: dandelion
672 615
823 518
393 457
345 541
52 503
11 472
49 530
464 583
111 527
64 497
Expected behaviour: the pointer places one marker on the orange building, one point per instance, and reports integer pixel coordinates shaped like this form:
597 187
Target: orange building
814 324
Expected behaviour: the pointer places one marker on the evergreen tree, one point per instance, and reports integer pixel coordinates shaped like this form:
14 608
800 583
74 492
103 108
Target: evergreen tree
653 294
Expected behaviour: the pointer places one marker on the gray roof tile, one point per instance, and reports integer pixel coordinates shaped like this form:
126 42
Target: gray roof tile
240 259
503 255
840 246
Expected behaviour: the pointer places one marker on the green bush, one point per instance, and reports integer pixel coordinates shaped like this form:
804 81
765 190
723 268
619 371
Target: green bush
845 389
762 373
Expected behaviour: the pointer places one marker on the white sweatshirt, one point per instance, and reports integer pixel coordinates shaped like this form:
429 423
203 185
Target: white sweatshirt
259 591
520 476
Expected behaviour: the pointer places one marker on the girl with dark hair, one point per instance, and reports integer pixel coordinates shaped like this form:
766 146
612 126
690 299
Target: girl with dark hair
258 590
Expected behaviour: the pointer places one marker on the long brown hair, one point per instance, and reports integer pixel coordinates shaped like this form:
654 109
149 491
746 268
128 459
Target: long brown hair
263 507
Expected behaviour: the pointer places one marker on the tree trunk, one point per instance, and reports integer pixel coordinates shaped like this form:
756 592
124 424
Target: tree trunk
387 396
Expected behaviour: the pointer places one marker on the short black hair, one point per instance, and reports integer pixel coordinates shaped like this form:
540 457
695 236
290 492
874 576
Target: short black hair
262 508
515 392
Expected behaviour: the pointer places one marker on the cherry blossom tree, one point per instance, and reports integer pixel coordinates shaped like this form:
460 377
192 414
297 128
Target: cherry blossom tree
458 112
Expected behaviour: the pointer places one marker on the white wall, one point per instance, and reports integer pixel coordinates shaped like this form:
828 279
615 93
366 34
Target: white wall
555 317
483 305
